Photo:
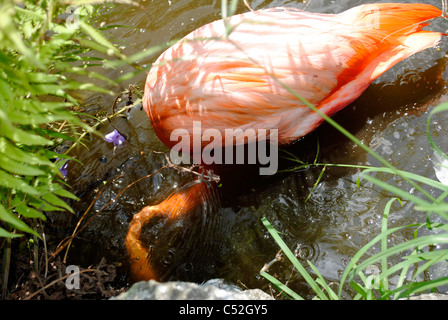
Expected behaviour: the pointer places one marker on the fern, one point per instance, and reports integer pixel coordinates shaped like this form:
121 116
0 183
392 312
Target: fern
36 78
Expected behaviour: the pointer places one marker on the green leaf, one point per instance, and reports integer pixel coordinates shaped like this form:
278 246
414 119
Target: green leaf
13 166
384 222
407 245
55 201
19 135
403 194
6 234
29 14
322 282
27 118
43 205
416 287
358 288
73 85
443 107
18 154
352 264
294 260
436 259
11 34
149 52
99 38
280 286
64 193
15 222
55 134
40 77
93 2
408 175
29 212
57 90
11 182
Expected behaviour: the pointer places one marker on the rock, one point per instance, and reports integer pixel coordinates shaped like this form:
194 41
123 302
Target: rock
214 289
429 296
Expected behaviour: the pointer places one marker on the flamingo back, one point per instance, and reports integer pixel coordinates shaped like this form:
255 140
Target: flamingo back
234 73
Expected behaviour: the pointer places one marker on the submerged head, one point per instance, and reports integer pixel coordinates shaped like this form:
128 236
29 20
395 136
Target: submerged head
174 239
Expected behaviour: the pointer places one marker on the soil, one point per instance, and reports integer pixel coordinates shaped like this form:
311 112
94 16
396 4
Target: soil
51 282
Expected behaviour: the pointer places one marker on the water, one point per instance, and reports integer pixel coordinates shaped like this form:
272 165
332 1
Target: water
326 224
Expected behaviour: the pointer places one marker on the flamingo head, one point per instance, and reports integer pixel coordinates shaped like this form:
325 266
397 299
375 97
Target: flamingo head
168 241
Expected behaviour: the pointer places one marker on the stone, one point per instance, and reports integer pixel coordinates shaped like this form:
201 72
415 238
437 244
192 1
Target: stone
428 296
214 289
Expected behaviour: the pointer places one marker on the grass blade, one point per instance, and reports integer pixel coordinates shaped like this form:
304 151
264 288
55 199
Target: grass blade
320 280
281 287
294 260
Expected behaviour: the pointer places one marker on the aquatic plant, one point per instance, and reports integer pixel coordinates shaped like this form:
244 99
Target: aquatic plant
368 274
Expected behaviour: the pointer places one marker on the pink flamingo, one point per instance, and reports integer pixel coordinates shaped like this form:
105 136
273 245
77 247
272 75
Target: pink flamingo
233 74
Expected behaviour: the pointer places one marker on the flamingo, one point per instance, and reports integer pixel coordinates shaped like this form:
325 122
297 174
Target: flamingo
235 73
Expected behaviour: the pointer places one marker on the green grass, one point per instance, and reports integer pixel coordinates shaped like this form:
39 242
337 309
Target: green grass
417 254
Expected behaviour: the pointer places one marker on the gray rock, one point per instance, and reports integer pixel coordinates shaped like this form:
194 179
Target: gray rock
429 296
214 289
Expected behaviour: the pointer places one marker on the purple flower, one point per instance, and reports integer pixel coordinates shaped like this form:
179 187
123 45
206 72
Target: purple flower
63 169
115 137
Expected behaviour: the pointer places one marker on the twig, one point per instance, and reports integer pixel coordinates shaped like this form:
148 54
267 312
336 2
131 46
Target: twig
45 253
130 91
6 265
209 176
75 232
61 126
444 9
115 103
306 4
278 257
247 5
35 248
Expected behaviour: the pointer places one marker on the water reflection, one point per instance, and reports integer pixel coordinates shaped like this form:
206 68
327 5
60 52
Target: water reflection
326 227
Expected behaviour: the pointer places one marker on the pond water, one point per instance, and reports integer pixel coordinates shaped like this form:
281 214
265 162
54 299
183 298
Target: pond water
326 224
